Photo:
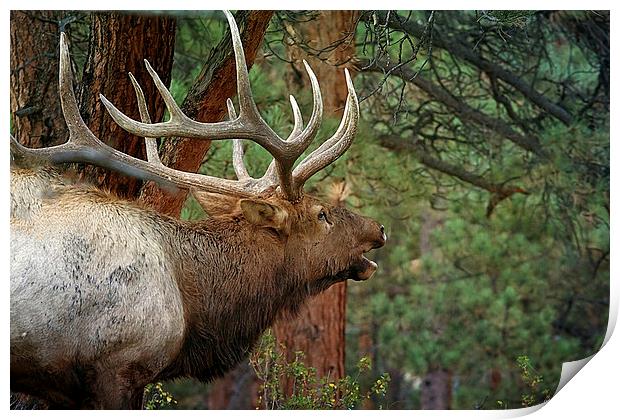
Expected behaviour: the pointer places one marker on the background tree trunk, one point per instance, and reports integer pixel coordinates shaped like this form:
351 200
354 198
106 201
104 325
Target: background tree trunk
436 392
436 389
118 44
318 331
238 390
36 119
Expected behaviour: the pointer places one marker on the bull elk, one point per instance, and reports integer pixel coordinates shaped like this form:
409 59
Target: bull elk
108 296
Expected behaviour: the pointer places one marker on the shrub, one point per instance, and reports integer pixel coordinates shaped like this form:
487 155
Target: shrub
157 398
306 390
536 391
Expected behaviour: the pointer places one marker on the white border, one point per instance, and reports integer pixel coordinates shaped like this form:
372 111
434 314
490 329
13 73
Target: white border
591 394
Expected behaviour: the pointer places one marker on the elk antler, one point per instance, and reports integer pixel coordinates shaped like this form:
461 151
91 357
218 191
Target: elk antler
83 145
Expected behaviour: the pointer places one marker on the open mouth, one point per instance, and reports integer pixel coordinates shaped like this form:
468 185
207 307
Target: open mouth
363 268
366 270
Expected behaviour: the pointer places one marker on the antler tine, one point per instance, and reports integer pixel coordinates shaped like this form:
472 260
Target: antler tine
298 122
173 108
152 155
336 145
329 142
244 90
271 174
302 139
238 152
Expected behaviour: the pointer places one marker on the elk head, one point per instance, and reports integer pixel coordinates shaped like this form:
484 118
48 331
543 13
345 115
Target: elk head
327 241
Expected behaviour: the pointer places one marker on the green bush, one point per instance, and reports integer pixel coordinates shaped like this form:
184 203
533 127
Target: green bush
157 398
535 390
307 390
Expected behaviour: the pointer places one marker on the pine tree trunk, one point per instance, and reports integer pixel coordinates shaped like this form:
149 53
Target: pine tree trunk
319 329
118 44
238 390
35 105
436 393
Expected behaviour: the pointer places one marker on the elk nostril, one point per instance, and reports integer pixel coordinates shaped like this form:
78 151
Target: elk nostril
383 235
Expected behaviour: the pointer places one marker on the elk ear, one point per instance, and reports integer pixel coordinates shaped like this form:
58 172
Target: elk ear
264 214
215 204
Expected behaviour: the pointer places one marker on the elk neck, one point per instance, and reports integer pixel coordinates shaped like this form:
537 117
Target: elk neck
234 281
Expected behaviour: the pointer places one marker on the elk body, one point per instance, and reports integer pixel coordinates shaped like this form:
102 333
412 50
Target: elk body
107 296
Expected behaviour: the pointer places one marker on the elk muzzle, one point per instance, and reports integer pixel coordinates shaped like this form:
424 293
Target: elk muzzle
363 269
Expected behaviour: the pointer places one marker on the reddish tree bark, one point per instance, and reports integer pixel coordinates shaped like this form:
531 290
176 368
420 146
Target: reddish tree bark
36 117
327 43
238 390
436 392
118 44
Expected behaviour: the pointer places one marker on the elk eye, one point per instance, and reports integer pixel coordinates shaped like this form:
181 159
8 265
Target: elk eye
323 216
